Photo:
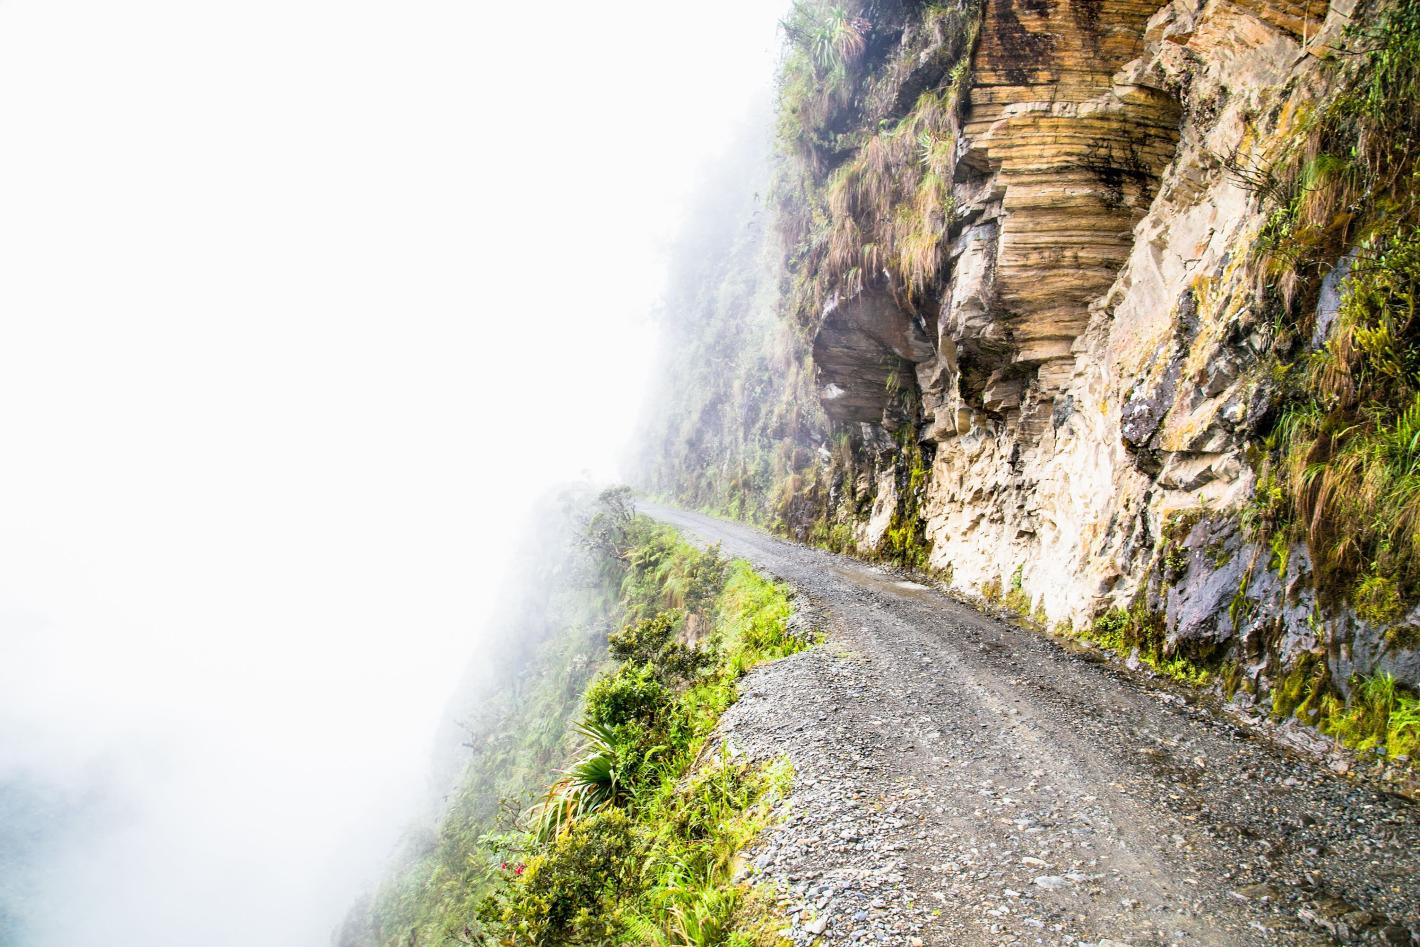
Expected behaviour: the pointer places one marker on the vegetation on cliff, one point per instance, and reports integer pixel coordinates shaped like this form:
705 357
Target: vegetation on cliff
1343 470
866 194
636 841
735 422
861 184
1340 469
1302 354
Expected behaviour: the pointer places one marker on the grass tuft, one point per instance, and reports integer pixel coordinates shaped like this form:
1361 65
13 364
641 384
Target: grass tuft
1342 466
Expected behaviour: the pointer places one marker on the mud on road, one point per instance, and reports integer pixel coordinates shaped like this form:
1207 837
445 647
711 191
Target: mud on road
960 780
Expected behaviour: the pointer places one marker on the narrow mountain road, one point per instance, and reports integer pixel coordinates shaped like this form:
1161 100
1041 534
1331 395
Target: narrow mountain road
963 781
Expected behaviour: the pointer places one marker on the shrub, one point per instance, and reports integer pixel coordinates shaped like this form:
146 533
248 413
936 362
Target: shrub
632 694
569 894
654 642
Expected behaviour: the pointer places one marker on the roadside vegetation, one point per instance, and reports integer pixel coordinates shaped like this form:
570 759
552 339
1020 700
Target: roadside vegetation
1341 466
1339 470
637 839
1380 717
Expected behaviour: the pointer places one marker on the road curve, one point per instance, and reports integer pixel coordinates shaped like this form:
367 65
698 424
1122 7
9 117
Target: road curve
960 780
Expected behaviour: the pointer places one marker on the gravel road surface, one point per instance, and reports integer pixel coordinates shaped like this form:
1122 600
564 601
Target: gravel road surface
960 780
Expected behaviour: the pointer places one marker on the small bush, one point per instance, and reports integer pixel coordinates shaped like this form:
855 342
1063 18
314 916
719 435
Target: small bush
571 892
632 694
655 643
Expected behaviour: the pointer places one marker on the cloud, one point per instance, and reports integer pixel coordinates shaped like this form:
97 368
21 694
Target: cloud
303 303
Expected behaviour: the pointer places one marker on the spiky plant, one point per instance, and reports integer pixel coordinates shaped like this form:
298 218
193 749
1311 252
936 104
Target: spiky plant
831 36
708 920
592 783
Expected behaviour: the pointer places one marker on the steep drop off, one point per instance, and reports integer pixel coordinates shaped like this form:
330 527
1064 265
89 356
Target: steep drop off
592 799
1108 312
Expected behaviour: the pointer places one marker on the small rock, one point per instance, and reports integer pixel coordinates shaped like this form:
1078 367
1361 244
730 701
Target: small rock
1396 935
1258 892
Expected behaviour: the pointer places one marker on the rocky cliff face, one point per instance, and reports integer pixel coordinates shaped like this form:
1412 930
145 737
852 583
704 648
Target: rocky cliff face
1106 244
1073 275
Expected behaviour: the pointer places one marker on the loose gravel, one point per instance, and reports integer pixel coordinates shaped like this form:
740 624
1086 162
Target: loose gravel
959 780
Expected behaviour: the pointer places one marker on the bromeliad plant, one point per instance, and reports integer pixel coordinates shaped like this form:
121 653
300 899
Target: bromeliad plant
591 784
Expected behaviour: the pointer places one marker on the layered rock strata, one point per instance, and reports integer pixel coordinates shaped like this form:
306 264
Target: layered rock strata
1087 376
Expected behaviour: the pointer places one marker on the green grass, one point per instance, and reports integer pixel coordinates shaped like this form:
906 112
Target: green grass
1341 467
1378 717
1123 631
637 844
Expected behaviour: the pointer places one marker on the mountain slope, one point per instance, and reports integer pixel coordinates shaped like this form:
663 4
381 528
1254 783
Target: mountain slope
1107 309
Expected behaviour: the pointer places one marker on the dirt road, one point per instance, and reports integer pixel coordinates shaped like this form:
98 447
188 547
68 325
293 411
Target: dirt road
963 781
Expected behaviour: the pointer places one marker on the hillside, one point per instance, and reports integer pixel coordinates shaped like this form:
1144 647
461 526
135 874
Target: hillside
592 801
1104 311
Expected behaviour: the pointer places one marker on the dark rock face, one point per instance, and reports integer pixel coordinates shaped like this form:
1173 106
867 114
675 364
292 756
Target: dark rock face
1150 400
1196 605
865 350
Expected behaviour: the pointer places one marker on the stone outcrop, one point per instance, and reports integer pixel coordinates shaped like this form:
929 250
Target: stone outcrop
1088 370
866 350
1024 284
1073 154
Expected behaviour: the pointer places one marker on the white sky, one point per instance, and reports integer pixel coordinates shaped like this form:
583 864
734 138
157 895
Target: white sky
300 302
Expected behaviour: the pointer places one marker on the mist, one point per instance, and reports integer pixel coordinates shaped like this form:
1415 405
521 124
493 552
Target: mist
302 305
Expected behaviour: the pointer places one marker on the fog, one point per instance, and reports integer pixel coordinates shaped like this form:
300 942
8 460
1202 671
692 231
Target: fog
302 304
